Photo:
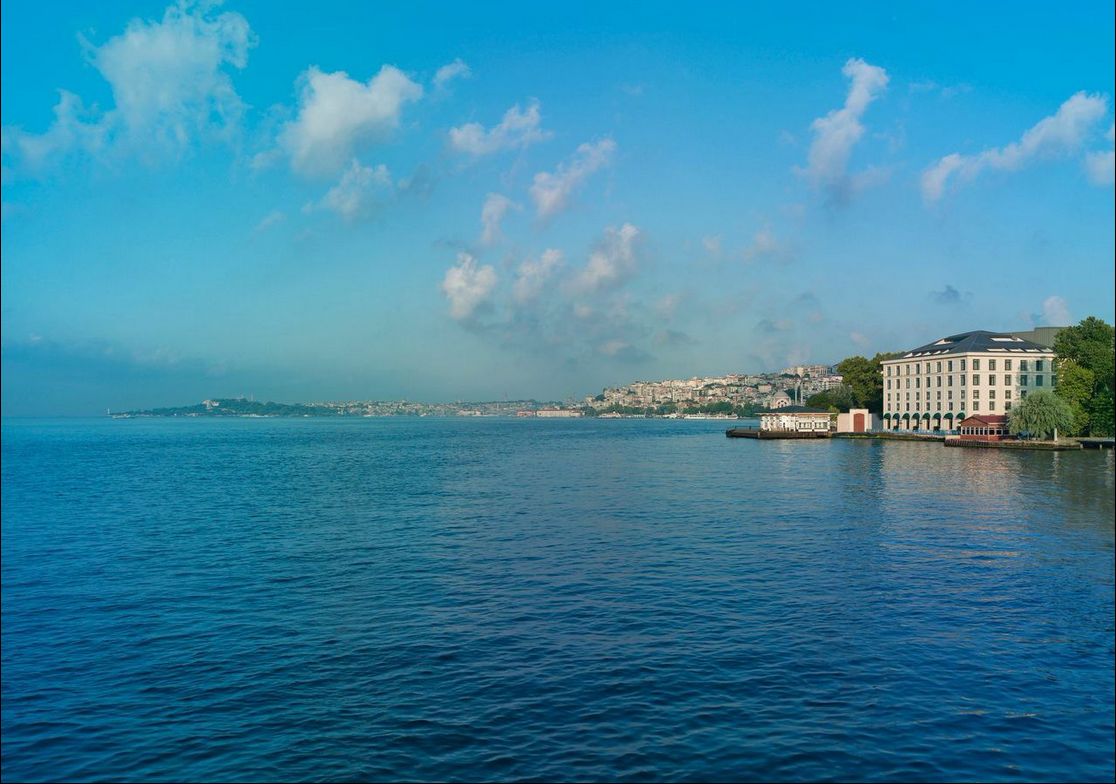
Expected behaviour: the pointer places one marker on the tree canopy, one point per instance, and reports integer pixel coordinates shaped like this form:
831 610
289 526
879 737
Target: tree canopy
1090 347
863 377
1041 415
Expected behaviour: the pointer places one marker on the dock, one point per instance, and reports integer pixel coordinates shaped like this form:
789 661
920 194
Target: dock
755 432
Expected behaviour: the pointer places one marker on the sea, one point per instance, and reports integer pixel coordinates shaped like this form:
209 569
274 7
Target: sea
477 599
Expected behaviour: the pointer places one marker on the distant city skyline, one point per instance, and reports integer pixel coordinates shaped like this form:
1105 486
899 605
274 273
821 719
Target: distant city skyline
444 203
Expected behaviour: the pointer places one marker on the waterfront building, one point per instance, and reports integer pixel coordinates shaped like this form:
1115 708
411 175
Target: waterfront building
984 427
556 413
857 420
936 386
799 419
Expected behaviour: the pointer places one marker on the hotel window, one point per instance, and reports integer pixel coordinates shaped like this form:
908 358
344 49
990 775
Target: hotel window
908 406
916 383
962 364
908 397
908 383
939 367
991 394
908 367
927 367
991 364
976 405
1023 381
1038 365
991 380
1022 393
949 366
1023 365
949 381
1007 364
1007 406
939 380
976 379
962 394
962 379
939 394
949 394
1038 381
976 365
992 405
976 394
889 383
1007 394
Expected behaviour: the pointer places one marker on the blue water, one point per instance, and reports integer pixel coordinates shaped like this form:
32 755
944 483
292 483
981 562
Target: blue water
496 599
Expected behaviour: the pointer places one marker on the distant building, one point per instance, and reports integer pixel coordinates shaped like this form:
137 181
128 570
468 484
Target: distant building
558 413
779 400
799 419
936 386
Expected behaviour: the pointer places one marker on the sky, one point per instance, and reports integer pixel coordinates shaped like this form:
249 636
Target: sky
455 201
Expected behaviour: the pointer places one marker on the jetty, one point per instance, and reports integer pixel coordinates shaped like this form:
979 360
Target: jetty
755 432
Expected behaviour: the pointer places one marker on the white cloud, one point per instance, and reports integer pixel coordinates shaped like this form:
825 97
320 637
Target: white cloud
467 286
551 191
338 115
273 218
838 132
1055 311
495 207
169 82
358 191
458 69
1059 134
74 128
712 245
763 244
1101 166
517 129
168 79
532 276
611 263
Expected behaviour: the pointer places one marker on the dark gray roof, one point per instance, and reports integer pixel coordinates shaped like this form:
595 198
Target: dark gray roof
978 340
795 410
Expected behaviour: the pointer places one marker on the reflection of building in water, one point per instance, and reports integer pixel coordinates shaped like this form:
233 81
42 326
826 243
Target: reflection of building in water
934 387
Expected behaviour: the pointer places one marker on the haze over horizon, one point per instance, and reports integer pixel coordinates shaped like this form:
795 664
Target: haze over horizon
444 202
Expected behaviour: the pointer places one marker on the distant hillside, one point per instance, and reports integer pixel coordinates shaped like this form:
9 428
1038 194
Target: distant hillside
239 407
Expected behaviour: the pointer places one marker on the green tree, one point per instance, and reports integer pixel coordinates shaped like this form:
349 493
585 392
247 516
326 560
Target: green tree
1075 386
1042 415
1091 345
840 397
863 377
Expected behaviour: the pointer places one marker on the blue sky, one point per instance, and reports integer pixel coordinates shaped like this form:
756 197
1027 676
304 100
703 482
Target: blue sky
443 201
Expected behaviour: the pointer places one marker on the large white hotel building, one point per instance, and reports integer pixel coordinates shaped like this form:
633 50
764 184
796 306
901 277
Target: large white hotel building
935 386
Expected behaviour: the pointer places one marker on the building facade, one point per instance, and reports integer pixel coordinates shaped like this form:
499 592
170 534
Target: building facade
936 386
798 419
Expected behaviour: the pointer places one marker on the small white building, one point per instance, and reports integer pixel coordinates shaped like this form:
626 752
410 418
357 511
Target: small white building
797 419
556 413
857 420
